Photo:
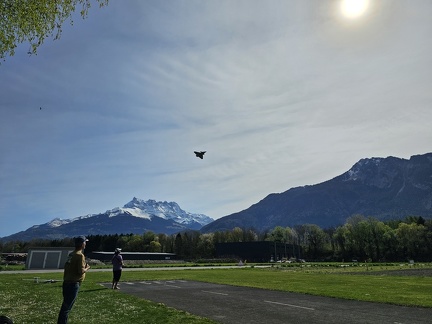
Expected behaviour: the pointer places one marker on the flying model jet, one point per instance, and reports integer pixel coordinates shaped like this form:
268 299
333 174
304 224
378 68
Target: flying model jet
200 154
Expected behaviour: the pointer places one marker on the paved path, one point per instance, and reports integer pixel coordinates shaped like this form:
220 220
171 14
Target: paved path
229 304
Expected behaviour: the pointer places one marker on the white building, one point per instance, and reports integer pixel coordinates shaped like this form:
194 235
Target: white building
47 257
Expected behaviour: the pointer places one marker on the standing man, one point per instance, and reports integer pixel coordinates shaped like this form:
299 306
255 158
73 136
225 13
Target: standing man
74 274
117 262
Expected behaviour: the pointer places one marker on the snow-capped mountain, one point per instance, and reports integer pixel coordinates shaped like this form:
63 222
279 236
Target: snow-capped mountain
166 210
56 222
137 217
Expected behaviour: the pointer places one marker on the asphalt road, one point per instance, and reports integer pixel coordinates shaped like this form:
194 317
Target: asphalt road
229 304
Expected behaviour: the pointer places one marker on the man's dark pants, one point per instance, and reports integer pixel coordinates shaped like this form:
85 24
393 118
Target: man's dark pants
70 292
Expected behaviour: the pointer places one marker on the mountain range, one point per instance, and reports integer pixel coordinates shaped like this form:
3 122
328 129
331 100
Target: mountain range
385 188
137 217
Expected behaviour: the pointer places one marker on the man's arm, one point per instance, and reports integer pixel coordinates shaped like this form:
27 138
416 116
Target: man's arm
85 267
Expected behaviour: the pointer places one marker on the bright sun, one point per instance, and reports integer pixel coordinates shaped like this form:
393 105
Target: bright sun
354 8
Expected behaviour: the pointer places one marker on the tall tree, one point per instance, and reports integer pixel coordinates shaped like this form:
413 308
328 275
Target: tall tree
316 240
412 240
236 235
341 240
33 21
379 232
205 246
250 236
148 237
154 246
277 234
178 245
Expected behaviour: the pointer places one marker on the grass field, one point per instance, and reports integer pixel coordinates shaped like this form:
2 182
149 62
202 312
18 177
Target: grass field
26 301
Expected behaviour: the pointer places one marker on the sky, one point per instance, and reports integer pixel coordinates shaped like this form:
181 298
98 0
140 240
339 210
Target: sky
279 94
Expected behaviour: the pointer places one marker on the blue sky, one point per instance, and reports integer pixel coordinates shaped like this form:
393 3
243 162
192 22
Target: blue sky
279 93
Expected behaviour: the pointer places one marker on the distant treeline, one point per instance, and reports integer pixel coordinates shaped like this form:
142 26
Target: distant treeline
360 238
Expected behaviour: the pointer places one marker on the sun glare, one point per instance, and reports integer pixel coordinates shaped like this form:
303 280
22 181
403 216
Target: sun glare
354 8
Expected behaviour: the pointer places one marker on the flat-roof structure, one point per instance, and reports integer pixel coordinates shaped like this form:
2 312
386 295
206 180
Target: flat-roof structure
47 257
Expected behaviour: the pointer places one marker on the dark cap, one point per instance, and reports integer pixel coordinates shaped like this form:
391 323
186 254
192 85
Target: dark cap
5 320
80 240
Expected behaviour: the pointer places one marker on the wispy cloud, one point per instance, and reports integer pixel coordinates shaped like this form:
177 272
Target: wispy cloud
279 94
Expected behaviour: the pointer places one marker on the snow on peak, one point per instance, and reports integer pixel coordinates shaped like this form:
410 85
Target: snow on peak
355 172
56 222
163 209
145 209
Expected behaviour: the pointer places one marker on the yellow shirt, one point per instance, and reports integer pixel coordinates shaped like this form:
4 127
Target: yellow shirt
74 266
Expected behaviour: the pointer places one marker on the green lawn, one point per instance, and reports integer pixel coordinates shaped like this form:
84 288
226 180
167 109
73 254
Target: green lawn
29 302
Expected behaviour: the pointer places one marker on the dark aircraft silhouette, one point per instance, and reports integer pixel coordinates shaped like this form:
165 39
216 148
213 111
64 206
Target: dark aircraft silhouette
200 154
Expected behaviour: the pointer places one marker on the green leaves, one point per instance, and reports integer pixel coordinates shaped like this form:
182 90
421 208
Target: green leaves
33 21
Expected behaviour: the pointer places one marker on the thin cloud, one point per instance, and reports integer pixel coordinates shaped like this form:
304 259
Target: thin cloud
280 94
